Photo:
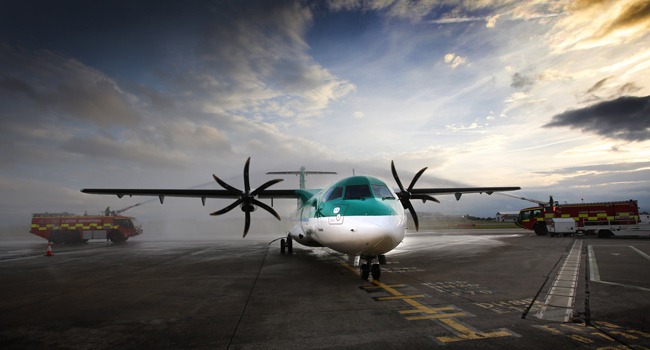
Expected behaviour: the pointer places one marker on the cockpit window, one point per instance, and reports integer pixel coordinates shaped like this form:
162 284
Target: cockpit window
381 191
335 193
357 191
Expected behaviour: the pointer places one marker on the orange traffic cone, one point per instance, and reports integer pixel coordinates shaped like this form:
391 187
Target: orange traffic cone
49 249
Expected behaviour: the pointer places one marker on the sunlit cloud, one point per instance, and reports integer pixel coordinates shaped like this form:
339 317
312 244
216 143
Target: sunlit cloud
454 61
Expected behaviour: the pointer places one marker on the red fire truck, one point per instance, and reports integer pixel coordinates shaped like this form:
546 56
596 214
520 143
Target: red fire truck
604 219
70 228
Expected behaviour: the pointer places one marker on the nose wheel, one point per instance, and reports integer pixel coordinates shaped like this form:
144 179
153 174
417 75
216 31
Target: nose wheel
286 246
371 269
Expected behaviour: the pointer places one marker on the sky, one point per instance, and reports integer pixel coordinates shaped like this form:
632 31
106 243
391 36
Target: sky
552 96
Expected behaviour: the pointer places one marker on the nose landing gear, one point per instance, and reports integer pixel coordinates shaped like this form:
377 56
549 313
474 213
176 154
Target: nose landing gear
372 269
286 246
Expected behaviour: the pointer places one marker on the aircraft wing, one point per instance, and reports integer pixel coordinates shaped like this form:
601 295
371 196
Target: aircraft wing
458 191
188 193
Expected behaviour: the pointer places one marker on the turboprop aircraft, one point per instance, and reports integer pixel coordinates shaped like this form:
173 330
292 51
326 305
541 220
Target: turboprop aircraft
358 215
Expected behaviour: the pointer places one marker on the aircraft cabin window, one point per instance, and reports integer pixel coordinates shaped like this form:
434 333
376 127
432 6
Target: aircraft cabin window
381 191
335 193
357 191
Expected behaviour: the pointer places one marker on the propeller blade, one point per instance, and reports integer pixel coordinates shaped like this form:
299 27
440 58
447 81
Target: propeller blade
405 195
265 186
246 197
247 184
226 186
247 223
395 176
415 179
267 208
414 215
228 208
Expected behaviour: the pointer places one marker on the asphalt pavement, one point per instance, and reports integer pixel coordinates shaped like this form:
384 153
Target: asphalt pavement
452 289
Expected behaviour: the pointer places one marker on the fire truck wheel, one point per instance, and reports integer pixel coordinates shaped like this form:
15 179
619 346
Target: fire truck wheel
57 237
540 229
605 234
117 237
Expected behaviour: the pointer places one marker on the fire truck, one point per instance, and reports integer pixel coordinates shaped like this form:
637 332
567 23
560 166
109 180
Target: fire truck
70 228
605 219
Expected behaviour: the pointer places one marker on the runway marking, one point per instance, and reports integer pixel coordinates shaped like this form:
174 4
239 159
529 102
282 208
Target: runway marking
399 297
445 316
558 305
403 269
511 306
602 335
594 273
458 288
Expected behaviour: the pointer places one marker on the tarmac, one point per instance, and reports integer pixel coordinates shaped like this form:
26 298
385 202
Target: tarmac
451 289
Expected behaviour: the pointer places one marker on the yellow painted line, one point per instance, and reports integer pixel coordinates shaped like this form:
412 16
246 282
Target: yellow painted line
461 330
429 310
400 297
468 333
390 285
438 316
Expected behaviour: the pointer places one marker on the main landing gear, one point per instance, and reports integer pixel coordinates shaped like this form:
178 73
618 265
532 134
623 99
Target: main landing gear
368 268
286 246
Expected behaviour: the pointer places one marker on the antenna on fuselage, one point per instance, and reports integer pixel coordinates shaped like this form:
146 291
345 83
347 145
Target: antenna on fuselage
302 173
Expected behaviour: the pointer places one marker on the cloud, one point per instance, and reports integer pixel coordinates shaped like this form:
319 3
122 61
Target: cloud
454 61
520 81
591 24
61 88
599 169
608 87
624 118
254 58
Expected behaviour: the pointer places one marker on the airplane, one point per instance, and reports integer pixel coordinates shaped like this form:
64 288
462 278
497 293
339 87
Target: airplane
359 216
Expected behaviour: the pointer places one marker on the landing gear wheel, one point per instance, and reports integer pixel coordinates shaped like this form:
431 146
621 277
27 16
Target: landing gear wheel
375 271
365 272
289 245
283 246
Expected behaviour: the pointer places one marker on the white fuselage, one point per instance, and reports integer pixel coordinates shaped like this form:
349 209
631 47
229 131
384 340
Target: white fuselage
369 226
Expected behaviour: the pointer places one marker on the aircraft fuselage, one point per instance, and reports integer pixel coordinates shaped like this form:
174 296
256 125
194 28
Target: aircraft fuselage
358 215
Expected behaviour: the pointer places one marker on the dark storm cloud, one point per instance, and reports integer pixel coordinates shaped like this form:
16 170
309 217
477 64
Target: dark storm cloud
626 118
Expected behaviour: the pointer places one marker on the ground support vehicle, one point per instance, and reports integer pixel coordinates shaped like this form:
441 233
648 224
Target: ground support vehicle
604 219
561 227
70 228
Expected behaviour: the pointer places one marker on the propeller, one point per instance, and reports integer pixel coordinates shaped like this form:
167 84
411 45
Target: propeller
246 198
405 195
